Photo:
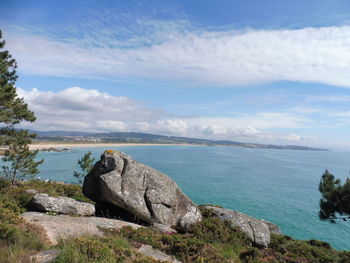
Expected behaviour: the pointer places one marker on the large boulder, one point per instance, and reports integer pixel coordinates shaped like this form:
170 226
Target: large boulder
144 192
258 231
61 205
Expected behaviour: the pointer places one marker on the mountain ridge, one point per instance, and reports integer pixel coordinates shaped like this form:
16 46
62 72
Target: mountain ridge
139 137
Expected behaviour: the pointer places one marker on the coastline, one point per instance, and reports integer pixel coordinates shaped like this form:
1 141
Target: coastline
59 145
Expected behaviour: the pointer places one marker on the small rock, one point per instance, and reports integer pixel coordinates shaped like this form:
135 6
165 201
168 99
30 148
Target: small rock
31 191
62 205
45 256
156 254
163 228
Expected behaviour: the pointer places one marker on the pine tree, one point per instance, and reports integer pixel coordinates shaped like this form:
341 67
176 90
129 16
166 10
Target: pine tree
13 110
335 201
86 163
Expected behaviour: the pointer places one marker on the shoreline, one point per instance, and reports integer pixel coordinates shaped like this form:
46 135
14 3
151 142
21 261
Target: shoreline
59 145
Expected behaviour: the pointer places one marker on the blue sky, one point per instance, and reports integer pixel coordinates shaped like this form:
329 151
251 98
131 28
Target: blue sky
254 71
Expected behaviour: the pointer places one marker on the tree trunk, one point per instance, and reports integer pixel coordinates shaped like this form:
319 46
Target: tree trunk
13 177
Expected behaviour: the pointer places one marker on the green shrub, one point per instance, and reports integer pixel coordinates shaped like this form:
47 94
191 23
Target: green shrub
22 237
22 198
344 256
209 241
250 255
109 249
189 249
313 251
85 250
4 183
9 211
58 189
213 230
8 233
320 244
142 235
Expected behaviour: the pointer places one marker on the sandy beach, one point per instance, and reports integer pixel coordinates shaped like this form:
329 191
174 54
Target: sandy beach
59 145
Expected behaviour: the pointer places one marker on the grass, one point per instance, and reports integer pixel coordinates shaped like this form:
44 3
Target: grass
208 241
109 249
18 239
18 192
215 241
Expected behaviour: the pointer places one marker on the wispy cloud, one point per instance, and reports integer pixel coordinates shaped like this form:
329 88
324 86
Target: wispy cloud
90 110
329 98
341 114
193 57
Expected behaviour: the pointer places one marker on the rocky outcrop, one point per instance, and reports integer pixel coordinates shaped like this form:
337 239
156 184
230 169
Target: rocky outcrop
61 205
146 193
258 231
274 229
52 149
63 226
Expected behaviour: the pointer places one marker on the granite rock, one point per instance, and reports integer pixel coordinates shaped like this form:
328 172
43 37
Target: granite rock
64 226
146 193
258 231
61 205
156 254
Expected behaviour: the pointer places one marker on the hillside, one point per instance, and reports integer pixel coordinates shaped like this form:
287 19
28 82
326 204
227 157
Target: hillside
137 137
209 241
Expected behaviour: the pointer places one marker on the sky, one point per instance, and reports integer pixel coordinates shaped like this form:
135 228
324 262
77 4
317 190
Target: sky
272 71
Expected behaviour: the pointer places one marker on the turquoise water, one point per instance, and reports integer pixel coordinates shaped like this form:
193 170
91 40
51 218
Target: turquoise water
276 185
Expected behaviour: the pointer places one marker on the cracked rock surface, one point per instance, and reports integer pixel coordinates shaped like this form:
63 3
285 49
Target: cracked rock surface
64 226
258 231
144 192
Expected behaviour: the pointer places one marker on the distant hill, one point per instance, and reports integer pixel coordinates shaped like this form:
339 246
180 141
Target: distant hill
139 137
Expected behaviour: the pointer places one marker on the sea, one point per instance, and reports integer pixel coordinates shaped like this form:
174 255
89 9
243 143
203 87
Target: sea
280 186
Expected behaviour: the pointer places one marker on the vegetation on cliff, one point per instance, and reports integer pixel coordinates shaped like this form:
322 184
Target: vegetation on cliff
209 241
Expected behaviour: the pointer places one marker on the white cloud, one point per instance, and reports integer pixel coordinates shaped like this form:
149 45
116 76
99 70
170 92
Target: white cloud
172 126
225 58
262 120
79 109
112 125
